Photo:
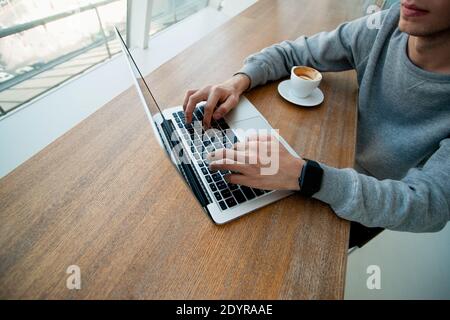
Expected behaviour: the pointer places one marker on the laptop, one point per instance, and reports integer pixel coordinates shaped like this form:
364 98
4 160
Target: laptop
187 146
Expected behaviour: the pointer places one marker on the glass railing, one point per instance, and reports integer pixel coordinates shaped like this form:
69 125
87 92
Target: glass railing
168 12
44 43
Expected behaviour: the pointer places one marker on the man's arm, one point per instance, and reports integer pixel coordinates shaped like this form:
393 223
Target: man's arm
339 50
342 49
420 202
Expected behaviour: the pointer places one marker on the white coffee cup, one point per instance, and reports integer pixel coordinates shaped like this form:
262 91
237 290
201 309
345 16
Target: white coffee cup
304 80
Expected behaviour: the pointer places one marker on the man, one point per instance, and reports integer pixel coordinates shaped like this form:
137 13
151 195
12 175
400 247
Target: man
402 176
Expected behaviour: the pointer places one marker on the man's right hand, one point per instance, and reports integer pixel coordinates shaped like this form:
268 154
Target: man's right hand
220 99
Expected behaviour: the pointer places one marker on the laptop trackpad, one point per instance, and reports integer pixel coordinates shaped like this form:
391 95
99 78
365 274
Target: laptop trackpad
248 127
258 125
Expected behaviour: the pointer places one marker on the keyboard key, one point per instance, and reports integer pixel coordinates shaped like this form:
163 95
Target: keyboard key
233 186
230 202
213 187
239 196
220 136
216 177
210 134
221 185
198 113
225 193
205 171
258 192
222 205
248 192
231 137
218 196
213 138
209 179
223 124
210 149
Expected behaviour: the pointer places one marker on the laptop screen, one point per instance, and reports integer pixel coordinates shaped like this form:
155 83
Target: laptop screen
150 101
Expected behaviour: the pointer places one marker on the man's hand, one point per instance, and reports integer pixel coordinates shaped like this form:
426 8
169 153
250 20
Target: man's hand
248 159
221 99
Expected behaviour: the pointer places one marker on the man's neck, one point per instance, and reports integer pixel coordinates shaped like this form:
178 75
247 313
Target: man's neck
431 53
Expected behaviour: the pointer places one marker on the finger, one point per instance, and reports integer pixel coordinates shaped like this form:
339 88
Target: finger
211 104
225 107
247 146
252 137
226 164
238 179
193 100
189 93
240 146
227 154
260 137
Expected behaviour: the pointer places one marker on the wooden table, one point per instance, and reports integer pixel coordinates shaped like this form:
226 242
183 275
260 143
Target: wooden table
103 196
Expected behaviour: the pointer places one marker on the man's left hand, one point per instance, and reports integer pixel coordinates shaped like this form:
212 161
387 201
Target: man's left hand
252 163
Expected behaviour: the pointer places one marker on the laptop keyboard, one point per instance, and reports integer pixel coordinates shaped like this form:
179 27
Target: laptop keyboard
201 143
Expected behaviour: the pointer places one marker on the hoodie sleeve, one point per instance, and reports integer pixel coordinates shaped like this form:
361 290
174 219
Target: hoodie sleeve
420 202
339 50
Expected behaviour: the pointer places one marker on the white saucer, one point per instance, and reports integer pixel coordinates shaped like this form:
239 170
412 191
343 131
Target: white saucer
314 99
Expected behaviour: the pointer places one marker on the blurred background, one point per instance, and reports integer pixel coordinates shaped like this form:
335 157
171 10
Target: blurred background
47 42
60 60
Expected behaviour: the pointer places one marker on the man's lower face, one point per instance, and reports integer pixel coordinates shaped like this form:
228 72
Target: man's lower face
413 29
423 26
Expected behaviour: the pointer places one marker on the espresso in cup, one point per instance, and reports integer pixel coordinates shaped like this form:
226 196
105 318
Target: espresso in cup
304 80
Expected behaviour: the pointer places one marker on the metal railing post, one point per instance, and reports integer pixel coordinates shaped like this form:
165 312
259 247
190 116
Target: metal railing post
102 30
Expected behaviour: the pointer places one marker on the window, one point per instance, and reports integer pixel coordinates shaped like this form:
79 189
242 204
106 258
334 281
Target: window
44 43
168 12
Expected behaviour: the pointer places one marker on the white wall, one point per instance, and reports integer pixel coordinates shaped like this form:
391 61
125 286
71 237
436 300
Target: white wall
413 266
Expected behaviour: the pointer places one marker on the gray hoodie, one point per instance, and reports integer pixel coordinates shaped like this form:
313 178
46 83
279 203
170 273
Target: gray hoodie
402 181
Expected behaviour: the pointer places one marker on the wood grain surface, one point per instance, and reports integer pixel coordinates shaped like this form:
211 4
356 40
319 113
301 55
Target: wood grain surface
103 196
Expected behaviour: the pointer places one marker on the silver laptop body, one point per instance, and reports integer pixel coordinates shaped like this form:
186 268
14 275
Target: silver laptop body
223 203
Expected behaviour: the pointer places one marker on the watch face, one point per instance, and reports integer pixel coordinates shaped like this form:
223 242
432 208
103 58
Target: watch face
311 179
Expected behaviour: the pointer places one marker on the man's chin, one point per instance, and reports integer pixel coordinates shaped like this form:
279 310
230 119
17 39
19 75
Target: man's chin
411 29
421 29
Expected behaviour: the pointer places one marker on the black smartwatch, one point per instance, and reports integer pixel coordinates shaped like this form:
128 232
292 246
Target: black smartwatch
310 179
